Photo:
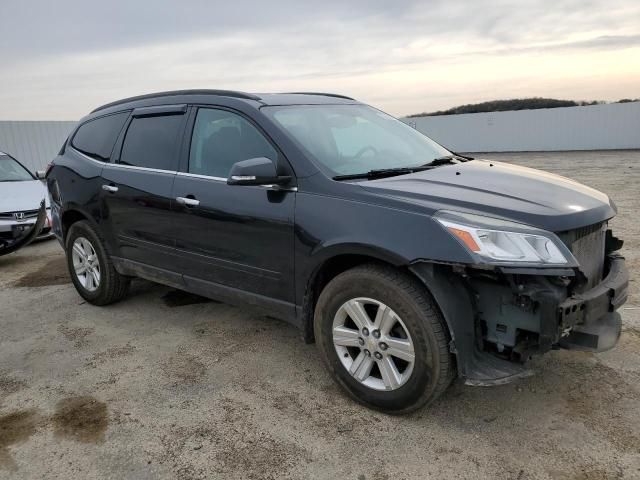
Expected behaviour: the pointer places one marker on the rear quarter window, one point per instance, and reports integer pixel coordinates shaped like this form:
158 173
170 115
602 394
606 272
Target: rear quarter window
96 138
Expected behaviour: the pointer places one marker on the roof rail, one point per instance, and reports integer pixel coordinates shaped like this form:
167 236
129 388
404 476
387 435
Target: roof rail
222 93
321 94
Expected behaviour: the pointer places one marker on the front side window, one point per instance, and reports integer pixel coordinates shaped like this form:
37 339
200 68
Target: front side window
352 139
96 138
152 142
222 138
12 171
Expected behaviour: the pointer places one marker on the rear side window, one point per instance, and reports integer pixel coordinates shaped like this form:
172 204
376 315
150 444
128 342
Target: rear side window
96 138
152 142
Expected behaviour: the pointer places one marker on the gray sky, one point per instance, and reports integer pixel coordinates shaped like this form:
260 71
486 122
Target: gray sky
60 59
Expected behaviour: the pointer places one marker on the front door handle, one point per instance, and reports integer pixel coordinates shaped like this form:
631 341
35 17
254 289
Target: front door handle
110 188
187 202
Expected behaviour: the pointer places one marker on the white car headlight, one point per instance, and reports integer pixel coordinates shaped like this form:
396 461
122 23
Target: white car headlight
500 241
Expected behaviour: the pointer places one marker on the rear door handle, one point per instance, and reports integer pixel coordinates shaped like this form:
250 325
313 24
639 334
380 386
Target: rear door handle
187 202
110 188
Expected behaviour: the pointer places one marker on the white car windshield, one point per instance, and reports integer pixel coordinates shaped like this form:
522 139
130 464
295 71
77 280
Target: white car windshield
354 139
12 171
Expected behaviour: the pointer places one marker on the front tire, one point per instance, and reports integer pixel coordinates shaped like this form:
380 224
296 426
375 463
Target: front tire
381 335
91 269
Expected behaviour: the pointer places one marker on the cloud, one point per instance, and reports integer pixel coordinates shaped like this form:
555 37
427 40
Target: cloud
60 59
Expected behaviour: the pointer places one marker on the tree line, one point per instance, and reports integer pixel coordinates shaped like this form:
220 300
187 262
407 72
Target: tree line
516 104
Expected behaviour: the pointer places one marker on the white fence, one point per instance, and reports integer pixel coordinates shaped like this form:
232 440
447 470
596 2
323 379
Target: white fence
34 144
595 127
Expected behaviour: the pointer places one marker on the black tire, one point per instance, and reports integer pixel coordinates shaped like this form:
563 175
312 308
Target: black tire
434 366
113 286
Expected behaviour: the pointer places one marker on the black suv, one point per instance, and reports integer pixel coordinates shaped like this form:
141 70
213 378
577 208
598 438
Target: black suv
408 264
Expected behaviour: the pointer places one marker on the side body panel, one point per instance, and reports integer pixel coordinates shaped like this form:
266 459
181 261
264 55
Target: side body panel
76 179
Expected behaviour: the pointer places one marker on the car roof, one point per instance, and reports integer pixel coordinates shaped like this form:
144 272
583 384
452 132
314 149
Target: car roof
185 96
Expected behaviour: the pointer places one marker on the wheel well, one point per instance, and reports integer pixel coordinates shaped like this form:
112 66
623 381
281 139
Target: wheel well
69 218
327 271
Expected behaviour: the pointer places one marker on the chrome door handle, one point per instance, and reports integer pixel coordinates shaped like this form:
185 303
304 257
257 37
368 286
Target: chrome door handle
187 202
109 188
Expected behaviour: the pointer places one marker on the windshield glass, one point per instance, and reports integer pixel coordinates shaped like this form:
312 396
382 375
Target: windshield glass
353 139
12 171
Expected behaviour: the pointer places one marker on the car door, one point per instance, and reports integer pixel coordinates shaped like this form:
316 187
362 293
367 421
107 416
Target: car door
136 190
233 240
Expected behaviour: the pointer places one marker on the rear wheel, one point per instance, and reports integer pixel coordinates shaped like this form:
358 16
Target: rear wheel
90 266
382 337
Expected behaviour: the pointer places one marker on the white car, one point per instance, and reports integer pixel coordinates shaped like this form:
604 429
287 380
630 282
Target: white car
21 194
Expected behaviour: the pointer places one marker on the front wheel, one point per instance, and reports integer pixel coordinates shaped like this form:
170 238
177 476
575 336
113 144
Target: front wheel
382 337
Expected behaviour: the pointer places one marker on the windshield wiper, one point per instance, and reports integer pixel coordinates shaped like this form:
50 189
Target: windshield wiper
448 159
390 172
383 172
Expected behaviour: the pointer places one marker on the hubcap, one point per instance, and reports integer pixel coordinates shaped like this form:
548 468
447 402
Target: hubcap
382 360
85 264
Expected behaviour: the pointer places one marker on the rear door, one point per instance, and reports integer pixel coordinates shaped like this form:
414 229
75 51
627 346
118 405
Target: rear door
137 185
236 237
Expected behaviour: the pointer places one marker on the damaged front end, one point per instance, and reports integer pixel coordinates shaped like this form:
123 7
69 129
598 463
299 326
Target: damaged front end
10 245
501 315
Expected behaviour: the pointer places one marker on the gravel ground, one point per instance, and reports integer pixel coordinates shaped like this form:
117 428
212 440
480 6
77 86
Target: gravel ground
168 385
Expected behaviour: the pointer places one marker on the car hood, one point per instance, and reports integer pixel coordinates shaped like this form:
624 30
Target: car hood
497 189
18 196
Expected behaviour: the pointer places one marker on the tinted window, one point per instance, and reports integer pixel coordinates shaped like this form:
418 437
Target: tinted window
96 138
222 138
152 142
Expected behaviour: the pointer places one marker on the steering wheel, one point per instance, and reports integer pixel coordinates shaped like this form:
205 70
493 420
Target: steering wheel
363 150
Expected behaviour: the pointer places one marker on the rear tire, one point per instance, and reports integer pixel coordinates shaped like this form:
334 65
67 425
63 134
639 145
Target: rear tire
90 267
408 364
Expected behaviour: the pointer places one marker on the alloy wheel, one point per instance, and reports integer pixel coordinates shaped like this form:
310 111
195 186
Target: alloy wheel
373 344
86 264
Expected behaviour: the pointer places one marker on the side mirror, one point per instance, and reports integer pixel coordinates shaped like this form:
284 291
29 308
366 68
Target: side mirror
41 174
256 171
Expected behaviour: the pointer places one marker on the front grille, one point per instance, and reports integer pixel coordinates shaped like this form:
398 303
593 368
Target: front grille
27 214
587 245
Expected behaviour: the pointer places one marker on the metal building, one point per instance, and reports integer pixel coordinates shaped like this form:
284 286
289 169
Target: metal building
595 127
33 143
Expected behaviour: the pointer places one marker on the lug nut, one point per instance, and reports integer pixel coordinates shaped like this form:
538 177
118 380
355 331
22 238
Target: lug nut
378 355
365 331
367 352
361 341
376 333
383 346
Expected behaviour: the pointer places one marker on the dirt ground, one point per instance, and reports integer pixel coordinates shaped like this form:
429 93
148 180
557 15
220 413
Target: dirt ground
167 385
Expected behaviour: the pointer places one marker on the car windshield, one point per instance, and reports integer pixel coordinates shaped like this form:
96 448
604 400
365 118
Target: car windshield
355 139
12 171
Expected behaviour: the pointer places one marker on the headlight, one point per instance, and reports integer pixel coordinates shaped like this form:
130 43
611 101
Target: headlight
500 241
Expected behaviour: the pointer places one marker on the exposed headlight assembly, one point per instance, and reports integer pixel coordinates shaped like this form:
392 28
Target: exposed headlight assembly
503 242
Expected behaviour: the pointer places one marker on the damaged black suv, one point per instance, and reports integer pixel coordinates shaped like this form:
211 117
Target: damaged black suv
409 265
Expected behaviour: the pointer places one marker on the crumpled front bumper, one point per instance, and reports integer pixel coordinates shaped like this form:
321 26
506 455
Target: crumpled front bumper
595 325
11 245
585 321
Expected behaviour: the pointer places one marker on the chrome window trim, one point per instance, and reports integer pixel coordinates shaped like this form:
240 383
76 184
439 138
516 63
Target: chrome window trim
87 156
146 169
204 177
120 165
182 174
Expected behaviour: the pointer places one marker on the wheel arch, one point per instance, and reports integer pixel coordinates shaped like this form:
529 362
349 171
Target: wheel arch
341 259
70 216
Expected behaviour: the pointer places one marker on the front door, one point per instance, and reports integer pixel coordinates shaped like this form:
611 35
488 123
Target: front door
233 239
136 188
